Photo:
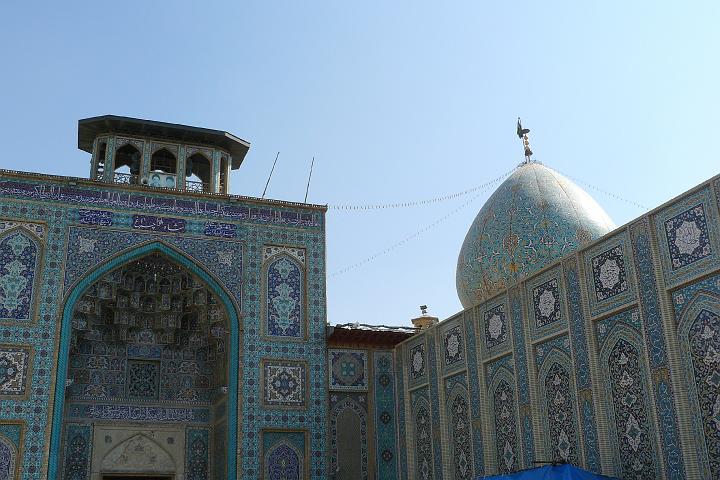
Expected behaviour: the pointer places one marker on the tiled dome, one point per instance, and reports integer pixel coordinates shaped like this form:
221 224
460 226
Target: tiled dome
535 217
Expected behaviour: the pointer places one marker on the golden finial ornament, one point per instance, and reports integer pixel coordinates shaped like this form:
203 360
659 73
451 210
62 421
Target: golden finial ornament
523 135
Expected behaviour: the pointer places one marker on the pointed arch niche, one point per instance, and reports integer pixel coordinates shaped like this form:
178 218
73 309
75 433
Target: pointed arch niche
504 408
423 439
284 298
21 248
628 404
148 338
348 438
699 335
558 408
458 418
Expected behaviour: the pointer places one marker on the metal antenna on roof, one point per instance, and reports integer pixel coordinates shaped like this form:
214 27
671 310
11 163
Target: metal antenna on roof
309 177
270 176
522 135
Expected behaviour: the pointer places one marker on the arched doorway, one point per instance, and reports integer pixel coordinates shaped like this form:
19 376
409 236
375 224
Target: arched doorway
149 349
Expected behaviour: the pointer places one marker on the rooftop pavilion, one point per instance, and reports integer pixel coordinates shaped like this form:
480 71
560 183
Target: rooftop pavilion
133 151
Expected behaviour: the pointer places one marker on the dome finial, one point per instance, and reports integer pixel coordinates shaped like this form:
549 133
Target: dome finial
522 135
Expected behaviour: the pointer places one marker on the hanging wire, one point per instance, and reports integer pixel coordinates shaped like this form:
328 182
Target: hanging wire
419 232
421 202
480 189
604 192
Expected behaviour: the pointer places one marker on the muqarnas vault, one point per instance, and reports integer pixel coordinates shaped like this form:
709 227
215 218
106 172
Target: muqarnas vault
154 326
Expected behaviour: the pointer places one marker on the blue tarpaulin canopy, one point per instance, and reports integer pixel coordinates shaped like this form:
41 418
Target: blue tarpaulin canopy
549 472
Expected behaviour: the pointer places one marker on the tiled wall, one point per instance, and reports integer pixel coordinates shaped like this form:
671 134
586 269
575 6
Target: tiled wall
607 359
56 238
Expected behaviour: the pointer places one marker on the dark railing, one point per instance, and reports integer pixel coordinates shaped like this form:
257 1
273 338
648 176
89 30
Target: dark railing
191 186
126 178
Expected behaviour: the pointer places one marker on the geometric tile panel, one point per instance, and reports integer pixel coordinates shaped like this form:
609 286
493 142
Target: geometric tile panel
348 369
14 367
609 273
687 237
284 383
385 410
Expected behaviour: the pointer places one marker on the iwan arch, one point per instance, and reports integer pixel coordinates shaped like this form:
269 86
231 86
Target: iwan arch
169 324
153 326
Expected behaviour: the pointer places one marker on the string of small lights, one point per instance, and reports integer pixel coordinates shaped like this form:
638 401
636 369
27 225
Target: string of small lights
479 189
427 201
417 233
600 190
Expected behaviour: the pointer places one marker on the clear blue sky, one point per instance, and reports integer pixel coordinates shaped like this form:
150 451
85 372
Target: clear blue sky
396 100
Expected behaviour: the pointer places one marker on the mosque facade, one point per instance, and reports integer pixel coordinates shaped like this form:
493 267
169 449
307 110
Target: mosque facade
152 326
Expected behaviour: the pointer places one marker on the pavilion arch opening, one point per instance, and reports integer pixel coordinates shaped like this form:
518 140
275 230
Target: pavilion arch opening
198 173
127 164
148 359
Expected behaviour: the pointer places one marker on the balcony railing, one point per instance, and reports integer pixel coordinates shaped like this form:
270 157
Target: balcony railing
191 186
127 178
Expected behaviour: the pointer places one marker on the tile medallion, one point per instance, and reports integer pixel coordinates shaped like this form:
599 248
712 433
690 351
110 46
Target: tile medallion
284 383
453 346
688 235
15 365
348 369
417 362
609 274
495 326
546 303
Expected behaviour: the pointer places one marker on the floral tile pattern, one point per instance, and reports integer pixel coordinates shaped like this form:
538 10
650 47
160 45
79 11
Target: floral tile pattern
495 326
609 273
453 345
20 259
546 303
284 292
687 237
417 362
14 367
